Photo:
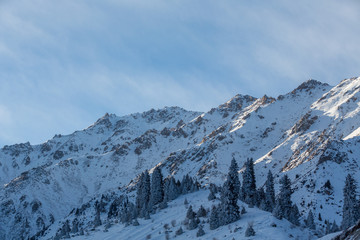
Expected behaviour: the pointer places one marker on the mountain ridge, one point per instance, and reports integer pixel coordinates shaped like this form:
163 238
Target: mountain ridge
293 133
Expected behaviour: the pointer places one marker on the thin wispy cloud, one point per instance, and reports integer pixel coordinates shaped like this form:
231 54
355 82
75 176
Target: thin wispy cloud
65 63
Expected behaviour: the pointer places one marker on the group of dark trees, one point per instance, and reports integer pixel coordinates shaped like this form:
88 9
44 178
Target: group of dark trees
154 192
150 195
228 210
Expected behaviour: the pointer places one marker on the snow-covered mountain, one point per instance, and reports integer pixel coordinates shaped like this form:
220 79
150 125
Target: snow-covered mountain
311 134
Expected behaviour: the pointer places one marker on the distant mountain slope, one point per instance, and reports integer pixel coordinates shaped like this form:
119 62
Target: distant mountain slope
311 133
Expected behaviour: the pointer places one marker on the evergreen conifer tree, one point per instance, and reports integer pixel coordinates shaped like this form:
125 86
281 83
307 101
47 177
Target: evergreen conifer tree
350 207
334 227
295 215
310 221
97 220
75 224
283 205
171 190
143 194
269 193
214 218
248 190
157 187
200 232
260 197
327 227
190 214
201 212
230 195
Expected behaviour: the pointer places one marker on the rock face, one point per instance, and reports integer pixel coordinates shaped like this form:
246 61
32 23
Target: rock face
311 133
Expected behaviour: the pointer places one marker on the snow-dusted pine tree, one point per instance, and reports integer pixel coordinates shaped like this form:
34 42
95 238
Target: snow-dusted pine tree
230 195
214 218
310 221
350 207
190 214
248 190
334 227
269 193
283 205
97 220
260 197
294 215
200 232
139 196
171 190
143 194
157 187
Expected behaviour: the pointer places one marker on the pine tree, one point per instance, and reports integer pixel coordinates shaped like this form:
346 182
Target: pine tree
334 227
201 212
310 221
249 185
67 229
230 195
350 207
260 197
328 227
190 214
127 210
193 223
97 220
171 190
295 215
139 195
75 224
157 187
186 184
269 193
283 205
200 232
143 194
233 177
214 218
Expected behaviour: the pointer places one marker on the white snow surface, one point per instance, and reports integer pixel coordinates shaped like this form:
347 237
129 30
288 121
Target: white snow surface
311 134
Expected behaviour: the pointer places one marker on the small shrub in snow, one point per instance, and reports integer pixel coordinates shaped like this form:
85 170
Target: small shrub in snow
148 236
179 231
243 210
135 222
166 226
200 232
250 230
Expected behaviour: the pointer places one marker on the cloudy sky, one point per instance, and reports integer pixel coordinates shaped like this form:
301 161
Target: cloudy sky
63 64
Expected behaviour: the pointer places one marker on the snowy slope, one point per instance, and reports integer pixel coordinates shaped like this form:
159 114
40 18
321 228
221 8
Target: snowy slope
170 219
311 133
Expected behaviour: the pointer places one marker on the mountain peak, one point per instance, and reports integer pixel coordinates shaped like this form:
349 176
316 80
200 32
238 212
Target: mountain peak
237 102
309 85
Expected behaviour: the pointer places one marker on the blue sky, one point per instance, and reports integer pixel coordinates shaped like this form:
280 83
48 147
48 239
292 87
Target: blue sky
63 64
